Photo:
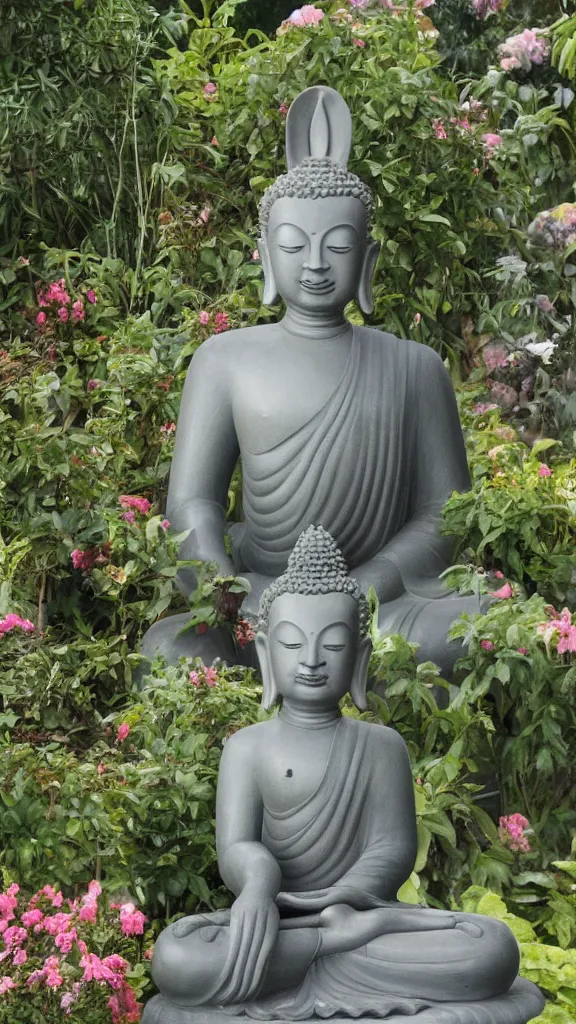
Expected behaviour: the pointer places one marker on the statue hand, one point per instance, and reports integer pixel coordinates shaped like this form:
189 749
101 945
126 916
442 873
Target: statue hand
254 923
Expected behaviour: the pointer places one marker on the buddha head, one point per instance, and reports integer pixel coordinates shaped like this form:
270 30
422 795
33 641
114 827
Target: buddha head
313 638
315 220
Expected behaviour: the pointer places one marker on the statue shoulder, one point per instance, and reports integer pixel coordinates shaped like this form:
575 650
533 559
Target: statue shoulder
246 741
223 350
381 738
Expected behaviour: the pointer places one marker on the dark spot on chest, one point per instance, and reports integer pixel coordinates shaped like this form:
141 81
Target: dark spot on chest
288 773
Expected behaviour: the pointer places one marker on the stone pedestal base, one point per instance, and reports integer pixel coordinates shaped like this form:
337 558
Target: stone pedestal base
523 1002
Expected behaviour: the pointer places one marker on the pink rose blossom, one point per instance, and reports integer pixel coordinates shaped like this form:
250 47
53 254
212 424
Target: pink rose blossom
306 15
544 470
124 1008
20 958
165 524
123 732
129 516
91 296
210 90
83 560
486 645
142 505
221 323
210 676
132 921
10 622
6 984
523 50
78 312
31 917
204 318
41 319
504 592
63 314
511 831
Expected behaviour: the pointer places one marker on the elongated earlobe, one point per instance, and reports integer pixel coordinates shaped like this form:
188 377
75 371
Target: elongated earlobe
270 296
269 691
359 682
365 287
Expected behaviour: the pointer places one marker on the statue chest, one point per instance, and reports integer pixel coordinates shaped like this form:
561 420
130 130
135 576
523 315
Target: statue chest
291 770
276 394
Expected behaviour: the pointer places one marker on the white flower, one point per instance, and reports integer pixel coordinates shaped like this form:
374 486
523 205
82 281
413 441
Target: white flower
544 349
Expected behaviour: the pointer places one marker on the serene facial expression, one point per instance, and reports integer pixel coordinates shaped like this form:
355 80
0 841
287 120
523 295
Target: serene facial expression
317 249
313 642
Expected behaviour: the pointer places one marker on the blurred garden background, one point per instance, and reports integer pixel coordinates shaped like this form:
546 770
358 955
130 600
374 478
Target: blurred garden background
135 142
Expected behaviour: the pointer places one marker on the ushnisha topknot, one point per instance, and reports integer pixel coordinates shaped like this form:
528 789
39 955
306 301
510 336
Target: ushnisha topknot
316 566
316 178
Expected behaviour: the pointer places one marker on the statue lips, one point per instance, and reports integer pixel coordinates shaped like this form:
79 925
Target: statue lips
314 679
317 287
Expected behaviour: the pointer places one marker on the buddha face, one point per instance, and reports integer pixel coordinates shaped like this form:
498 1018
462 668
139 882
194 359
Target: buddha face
317 251
313 642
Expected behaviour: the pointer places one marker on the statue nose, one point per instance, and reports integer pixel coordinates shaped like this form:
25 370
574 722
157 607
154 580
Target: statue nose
316 261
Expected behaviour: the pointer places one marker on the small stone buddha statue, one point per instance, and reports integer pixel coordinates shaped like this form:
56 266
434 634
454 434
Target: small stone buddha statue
316 832
336 425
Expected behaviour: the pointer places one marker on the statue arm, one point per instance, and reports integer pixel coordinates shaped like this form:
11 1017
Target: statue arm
419 552
205 454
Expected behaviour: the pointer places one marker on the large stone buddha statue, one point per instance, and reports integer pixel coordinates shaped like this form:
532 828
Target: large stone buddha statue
336 425
316 832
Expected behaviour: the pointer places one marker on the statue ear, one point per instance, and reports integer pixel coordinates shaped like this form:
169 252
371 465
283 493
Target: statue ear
360 675
270 296
269 691
368 267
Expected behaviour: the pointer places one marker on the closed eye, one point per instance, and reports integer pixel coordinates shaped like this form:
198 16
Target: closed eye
334 647
291 248
291 647
339 248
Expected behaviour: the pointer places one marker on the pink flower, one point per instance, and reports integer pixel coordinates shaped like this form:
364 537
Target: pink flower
504 592
439 129
129 516
194 679
483 8
421 4
63 314
220 323
523 50
109 970
306 15
91 296
65 940
542 301
494 356
10 622
204 318
31 917
41 319
88 912
134 501
14 937
132 921
210 676
168 428
544 470
93 384
123 1006
78 312
214 141
490 139
360 42
522 650
204 215
6 984
563 626
244 632
255 255
486 645
83 560
123 732
210 90
283 108
20 958
511 831
165 524
482 407
23 261
101 768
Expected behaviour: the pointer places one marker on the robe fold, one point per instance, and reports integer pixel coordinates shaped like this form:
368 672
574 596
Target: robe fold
317 843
